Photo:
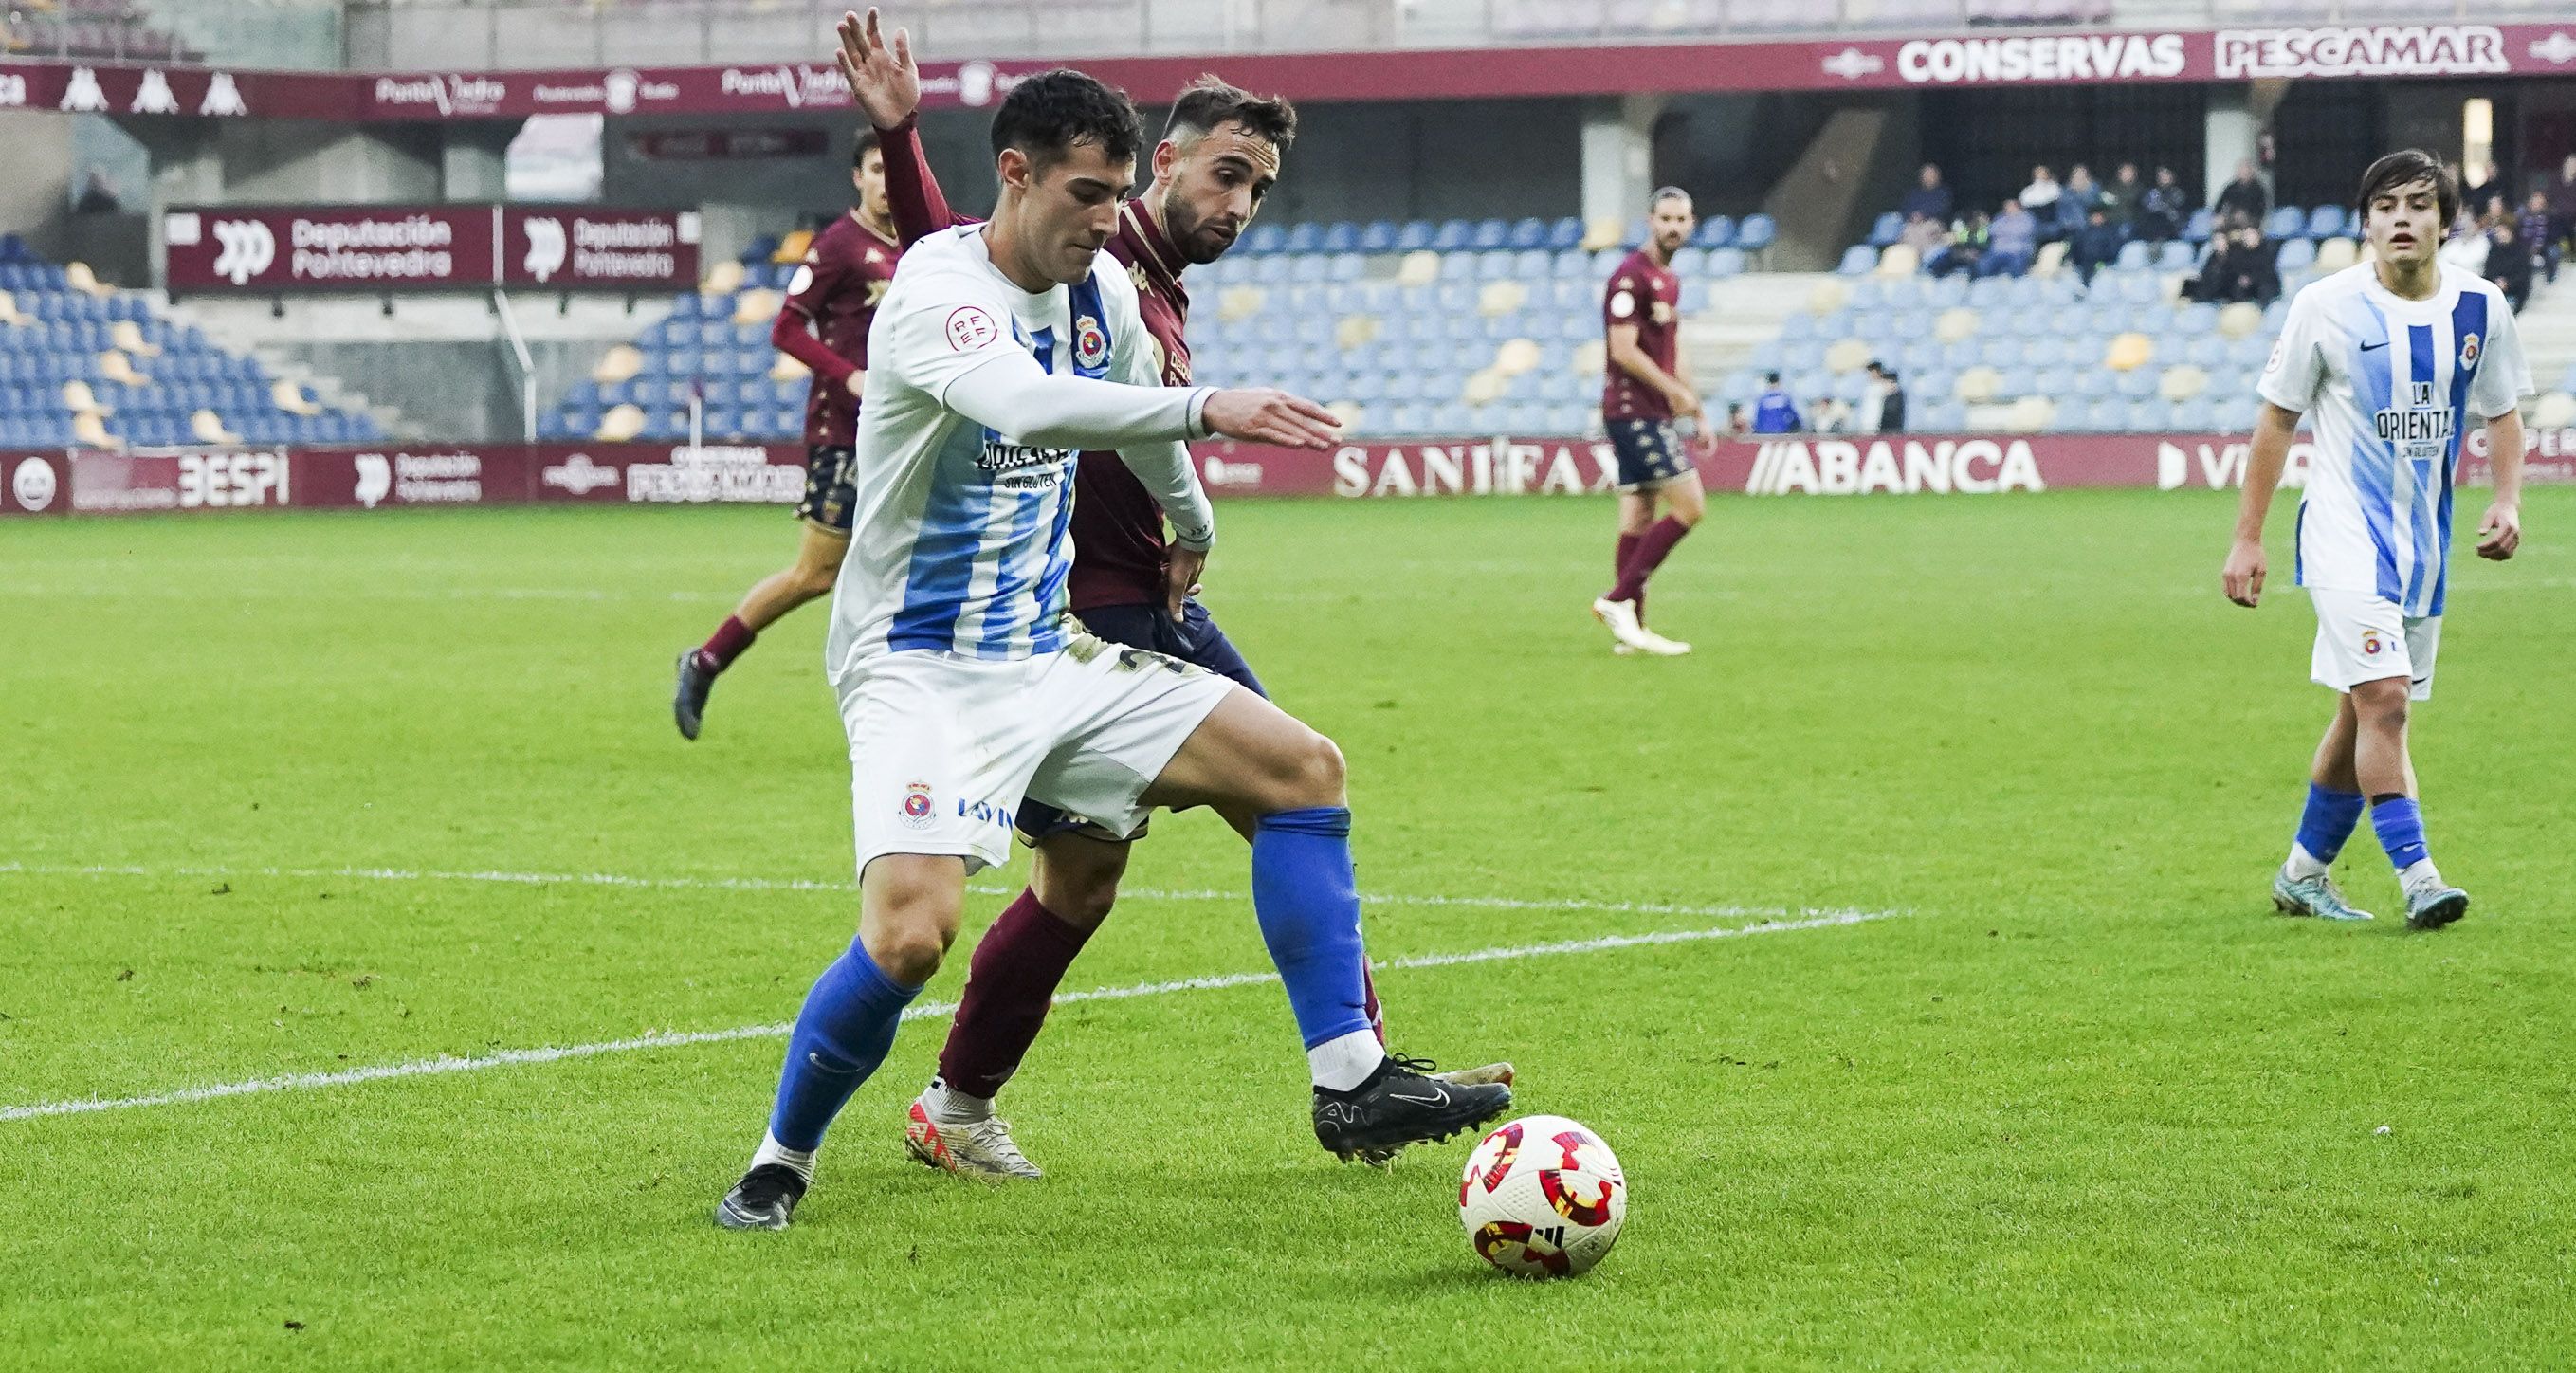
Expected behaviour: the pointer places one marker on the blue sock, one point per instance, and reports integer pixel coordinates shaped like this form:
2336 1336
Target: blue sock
1308 902
2328 821
841 1036
2400 825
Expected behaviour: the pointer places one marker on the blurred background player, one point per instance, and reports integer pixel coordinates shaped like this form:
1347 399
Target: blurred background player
1221 152
1642 398
964 686
2394 360
831 301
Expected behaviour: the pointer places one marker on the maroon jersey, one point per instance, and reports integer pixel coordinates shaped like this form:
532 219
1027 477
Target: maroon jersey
1648 296
836 291
1119 542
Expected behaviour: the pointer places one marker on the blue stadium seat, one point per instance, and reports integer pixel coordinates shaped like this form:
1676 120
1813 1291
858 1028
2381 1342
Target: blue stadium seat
1566 233
1264 239
1716 231
1858 260
2325 221
2134 257
1453 236
1490 234
1379 236
1341 237
2196 415
1756 233
1304 238
1889 227
1415 236
1725 262
1528 233
2296 254
2286 222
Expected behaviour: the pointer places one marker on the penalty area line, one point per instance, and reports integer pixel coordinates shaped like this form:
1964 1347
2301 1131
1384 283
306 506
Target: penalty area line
507 1058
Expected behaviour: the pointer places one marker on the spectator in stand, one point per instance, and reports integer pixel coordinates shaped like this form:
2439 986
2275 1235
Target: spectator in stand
2245 199
1967 245
2074 205
2164 208
2562 201
2040 196
2097 246
1736 423
2013 240
1926 235
2119 200
2467 246
1826 415
2241 268
1929 198
2508 257
1883 408
1773 411
2534 229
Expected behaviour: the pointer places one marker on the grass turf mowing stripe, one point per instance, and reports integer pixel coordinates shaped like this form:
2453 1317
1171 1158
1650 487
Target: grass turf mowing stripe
807 884
291 1082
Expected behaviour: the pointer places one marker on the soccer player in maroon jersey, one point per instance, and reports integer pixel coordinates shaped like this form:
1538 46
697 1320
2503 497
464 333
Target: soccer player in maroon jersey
830 303
1641 399
1218 158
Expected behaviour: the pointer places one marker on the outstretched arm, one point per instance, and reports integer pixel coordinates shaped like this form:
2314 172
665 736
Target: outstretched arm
790 335
887 84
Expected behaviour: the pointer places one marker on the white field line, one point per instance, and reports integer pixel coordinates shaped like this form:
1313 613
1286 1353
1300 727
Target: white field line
297 1082
807 884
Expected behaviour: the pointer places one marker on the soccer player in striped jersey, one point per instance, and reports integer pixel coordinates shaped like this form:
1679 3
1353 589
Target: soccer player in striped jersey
2393 360
830 303
1220 154
1003 351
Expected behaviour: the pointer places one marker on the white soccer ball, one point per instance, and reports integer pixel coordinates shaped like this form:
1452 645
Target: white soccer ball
1542 1197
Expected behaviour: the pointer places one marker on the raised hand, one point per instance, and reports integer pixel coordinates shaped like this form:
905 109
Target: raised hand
882 77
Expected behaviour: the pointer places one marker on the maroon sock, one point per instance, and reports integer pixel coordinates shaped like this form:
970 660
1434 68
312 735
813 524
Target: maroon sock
1009 984
1376 1013
1652 547
1619 571
727 643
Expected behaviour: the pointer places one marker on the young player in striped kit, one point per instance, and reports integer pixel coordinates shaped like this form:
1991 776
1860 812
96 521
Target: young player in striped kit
2393 360
1002 352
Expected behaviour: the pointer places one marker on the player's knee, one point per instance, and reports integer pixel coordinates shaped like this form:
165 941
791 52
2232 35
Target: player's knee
1316 775
2380 707
814 581
1688 515
1080 887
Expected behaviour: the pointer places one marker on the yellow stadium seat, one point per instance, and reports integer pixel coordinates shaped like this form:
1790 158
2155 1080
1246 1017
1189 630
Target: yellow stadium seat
620 363
1899 260
209 428
2051 259
1602 233
1847 355
1349 412
128 337
90 432
1956 323
2129 352
2335 254
723 279
1485 387
1419 268
1517 356
1501 298
792 249
80 400
785 368
292 399
1590 358
759 305
2030 415
116 366
1240 303
80 278
2183 382
1826 296
2556 410
620 424
2240 319
1355 331
1977 385
9 311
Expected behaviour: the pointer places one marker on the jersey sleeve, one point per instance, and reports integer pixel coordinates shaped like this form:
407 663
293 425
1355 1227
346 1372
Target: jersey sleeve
1622 303
2504 376
816 278
941 327
2298 366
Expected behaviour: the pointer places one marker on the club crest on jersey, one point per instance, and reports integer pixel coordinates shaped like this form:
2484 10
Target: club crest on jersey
916 805
2468 350
1090 343
2372 644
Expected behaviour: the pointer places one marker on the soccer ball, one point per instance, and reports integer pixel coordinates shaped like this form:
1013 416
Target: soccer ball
1543 1197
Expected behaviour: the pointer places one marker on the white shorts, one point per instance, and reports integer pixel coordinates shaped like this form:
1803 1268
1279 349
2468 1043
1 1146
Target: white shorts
2363 637
943 747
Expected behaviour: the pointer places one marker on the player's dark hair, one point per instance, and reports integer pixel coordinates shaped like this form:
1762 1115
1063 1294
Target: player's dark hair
1664 193
1045 115
1209 102
859 150
2402 169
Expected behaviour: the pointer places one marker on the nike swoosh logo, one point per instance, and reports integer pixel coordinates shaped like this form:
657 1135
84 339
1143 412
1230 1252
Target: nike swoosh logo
1438 1099
2372 347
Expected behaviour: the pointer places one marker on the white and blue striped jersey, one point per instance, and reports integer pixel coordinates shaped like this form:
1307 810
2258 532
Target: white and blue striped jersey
958 541
2392 386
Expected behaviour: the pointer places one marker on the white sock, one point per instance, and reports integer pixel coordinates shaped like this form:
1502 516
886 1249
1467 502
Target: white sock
2420 876
1345 1062
2304 865
771 1151
948 1106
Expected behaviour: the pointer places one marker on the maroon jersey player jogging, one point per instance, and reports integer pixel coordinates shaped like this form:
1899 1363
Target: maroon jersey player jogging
831 301
1641 397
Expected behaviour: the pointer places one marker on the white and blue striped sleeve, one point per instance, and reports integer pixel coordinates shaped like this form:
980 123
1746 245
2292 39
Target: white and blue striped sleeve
2298 365
2504 374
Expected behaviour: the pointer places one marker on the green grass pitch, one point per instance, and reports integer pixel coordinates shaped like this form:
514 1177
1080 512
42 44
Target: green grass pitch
2081 1100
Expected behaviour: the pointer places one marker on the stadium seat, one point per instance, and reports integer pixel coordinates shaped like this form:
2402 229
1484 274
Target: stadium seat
1414 237
1756 233
1886 230
1716 231
2325 221
2285 223
1379 236
1858 259
1568 233
2295 255
2175 256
